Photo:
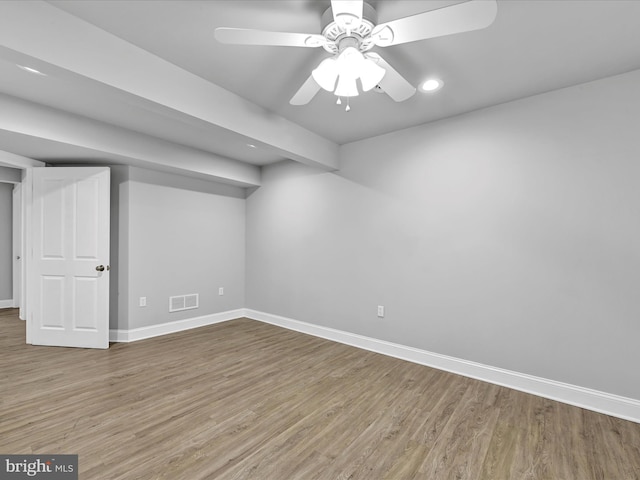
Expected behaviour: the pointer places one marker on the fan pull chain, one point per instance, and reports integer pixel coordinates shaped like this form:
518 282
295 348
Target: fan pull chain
339 102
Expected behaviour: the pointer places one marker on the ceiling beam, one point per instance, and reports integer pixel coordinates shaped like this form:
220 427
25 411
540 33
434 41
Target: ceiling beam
18 161
42 31
108 143
10 175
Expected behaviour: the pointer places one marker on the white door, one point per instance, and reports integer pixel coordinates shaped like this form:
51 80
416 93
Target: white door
69 281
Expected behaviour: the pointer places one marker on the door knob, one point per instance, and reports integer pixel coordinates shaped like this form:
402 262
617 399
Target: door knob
100 268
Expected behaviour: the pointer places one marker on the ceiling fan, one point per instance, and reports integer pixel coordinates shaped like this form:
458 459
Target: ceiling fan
350 31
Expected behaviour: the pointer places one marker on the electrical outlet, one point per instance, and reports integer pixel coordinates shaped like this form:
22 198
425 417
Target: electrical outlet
221 291
380 311
143 302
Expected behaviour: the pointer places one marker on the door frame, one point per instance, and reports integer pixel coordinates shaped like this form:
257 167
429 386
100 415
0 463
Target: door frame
27 243
25 164
16 250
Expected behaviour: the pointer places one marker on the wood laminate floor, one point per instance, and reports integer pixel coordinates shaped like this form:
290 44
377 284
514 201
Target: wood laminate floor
246 400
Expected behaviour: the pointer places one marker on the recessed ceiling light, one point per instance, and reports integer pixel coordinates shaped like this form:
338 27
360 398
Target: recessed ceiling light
431 85
31 70
251 145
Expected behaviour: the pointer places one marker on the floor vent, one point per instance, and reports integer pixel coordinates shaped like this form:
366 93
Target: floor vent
183 302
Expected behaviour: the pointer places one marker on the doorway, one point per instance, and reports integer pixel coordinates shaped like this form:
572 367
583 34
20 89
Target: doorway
6 248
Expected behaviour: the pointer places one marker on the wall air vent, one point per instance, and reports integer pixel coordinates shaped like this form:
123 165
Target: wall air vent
183 302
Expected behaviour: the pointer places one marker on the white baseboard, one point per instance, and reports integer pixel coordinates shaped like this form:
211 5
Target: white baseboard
609 404
6 303
172 327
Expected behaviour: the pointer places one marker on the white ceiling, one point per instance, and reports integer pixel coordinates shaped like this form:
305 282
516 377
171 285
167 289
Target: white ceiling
534 46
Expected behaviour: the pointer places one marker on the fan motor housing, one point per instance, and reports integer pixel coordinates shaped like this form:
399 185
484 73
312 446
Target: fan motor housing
334 32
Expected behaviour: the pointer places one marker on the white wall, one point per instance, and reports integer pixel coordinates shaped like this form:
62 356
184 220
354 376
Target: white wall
6 244
175 235
508 237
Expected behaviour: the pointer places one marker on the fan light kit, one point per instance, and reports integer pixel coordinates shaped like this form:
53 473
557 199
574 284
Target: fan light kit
349 66
349 33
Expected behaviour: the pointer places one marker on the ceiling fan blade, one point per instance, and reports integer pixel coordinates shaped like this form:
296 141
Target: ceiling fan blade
392 83
245 36
347 13
462 17
306 92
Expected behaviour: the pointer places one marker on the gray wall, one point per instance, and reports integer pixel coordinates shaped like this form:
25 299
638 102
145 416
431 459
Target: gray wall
6 242
119 246
174 235
508 236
